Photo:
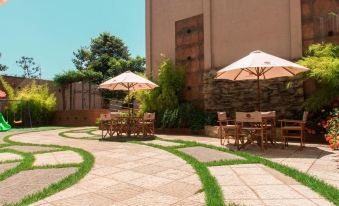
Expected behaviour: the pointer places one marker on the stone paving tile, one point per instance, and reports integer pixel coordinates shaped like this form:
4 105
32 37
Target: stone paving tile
104 171
67 193
5 156
150 169
7 166
192 179
55 158
204 154
163 143
31 181
255 184
276 192
188 203
151 199
86 199
121 191
96 183
126 175
30 148
79 135
289 202
179 189
173 174
150 182
309 160
238 193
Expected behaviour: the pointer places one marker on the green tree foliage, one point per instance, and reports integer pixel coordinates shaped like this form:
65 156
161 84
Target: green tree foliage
108 55
30 68
323 61
2 66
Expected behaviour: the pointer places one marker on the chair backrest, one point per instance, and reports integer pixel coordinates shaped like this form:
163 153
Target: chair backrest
105 117
268 114
248 117
149 116
222 116
305 115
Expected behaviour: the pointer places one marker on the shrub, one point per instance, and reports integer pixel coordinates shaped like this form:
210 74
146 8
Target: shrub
169 93
323 61
41 102
332 128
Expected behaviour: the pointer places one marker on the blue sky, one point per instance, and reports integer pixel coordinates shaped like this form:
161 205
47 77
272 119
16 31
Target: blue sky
50 30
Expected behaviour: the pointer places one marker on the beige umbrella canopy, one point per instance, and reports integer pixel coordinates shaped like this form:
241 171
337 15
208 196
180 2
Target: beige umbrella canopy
259 65
128 81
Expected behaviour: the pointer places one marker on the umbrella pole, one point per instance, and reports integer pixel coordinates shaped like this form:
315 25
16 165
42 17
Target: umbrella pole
258 94
129 115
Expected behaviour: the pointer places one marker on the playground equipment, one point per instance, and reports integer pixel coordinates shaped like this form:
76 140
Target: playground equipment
22 117
4 126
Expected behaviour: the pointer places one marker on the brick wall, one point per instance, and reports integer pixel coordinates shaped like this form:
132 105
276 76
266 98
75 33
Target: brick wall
78 117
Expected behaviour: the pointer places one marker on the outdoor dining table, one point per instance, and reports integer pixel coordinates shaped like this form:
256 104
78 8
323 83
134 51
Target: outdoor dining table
268 121
122 125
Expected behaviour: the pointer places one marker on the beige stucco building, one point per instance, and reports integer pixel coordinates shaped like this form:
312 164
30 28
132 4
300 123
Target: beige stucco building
205 35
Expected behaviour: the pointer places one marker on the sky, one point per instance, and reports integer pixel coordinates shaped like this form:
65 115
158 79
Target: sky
50 30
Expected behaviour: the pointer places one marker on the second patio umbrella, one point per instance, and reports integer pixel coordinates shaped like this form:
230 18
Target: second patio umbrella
128 81
258 66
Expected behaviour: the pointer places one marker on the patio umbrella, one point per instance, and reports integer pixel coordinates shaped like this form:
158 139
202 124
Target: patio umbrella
258 66
128 81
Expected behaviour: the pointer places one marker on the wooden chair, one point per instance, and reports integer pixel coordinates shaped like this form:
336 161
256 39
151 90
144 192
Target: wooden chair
252 124
116 126
293 129
105 125
269 121
148 124
227 128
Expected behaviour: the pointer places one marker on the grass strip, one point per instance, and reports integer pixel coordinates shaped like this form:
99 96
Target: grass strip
26 164
328 191
214 195
94 137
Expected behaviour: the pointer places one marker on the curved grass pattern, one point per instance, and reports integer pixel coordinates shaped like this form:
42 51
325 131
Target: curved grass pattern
27 164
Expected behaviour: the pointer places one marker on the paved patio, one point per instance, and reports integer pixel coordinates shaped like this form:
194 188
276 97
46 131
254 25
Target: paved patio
316 159
127 174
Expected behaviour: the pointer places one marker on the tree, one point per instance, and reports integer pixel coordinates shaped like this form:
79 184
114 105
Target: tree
323 61
109 56
81 58
98 54
3 67
29 67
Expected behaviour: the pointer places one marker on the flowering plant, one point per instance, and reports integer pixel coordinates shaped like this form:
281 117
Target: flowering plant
331 124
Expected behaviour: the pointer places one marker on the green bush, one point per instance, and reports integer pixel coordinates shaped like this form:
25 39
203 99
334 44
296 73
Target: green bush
169 93
41 102
323 61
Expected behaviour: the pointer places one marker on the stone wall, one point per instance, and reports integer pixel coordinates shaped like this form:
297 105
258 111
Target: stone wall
232 96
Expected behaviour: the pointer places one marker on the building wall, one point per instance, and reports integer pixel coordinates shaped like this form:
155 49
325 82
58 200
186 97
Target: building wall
231 30
318 25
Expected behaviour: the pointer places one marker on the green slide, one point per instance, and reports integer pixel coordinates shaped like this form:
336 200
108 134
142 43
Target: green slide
4 126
